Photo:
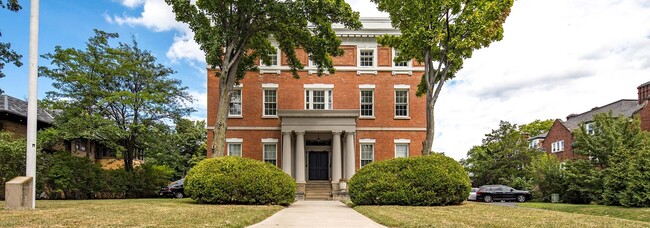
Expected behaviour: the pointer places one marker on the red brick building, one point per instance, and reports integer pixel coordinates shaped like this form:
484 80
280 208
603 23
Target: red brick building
320 130
560 138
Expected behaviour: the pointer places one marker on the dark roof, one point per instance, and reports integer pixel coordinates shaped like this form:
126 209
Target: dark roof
624 107
18 107
644 84
540 136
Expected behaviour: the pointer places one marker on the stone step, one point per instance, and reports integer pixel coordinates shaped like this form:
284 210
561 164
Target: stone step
318 198
318 193
318 190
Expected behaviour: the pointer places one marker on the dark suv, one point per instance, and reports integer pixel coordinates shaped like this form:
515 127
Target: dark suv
488 193
175 189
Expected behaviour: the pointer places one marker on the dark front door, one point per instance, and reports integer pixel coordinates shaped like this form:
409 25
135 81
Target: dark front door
318 166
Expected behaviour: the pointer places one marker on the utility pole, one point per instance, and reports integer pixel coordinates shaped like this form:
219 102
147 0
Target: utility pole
32 116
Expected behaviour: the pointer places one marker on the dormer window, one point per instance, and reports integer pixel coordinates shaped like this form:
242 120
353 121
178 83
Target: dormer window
589 128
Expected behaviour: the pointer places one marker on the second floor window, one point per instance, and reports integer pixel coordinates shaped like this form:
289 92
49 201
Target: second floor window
367 101
557 146
367 58
318 99
235 103
589 128
401 103
270 102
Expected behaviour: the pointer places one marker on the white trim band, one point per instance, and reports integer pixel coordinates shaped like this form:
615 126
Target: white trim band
391 129
402 86
402 141
240 85
270 85
269 140
234 140
318 86
366 140
249 128
367 86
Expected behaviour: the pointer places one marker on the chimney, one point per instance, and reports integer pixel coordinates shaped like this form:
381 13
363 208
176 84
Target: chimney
644 92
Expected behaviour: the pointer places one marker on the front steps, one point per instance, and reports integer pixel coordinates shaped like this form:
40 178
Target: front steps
318 190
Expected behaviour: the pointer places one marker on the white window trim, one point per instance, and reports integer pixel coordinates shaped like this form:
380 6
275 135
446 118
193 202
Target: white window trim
402 86
366 86
234 140
270 86
318 86
556 148
269 140
408 63
327 92
361 151
241 146
374 56
264 89
367 141
373 103
401 141
278 58
408 103
408 149
241 96
264 150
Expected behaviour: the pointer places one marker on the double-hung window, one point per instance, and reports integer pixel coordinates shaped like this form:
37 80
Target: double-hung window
367 153
275 58
402 148
270 102
401 103
270 153
235 103
557 146
234 146
589 128
367 103
318 99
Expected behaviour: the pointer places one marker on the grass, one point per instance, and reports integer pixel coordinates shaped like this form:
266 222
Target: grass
134 213
639 214
486 215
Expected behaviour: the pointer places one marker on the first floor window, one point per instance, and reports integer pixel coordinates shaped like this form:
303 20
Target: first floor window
270 102
557 146
234 149
401 103
270 153
401 150
367 101
367 154
235 103
318 99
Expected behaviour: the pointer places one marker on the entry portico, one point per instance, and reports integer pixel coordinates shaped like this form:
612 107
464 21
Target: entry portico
312 139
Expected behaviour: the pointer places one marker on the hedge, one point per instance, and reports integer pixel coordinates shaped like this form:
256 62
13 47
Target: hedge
419 181
236 180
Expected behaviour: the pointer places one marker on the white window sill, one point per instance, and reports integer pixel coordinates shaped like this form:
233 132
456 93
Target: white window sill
316 72
270 117
360 72
405 72
402 117
235 117
366 117
263 71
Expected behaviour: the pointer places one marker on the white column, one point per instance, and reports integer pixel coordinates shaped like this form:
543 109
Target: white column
349 155
286 153
336 157
300 157
32 92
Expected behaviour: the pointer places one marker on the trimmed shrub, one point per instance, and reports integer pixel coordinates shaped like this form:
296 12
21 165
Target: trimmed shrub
419 181
236 180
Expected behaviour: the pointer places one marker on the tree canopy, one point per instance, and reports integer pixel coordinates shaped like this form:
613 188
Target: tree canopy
233 33
536 127
442 33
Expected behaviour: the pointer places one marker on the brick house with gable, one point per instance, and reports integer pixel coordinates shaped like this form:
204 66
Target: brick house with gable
321 130
559 140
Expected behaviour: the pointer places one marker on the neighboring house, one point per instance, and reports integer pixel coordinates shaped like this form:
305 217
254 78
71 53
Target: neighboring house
13 118
323 129
536 141
560 137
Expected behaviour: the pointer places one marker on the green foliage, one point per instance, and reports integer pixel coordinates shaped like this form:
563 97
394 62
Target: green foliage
611 133
582 182
501 159
74 177
627 180
6 54
112 95
236 180
547 177
12 155
419 181
536 127
179 149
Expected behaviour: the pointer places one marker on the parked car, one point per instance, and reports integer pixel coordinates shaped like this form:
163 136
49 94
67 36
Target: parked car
489 193
175 189
472 194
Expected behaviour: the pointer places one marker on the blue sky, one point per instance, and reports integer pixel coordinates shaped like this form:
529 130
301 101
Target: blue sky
557 57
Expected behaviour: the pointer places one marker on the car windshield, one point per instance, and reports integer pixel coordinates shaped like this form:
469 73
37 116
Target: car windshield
474 190
176 183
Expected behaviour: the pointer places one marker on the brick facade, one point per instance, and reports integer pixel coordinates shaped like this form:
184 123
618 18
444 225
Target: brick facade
557 133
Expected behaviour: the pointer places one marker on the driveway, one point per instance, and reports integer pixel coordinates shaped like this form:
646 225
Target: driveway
317 214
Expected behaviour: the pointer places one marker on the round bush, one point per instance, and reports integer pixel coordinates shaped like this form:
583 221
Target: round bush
419 181
236 180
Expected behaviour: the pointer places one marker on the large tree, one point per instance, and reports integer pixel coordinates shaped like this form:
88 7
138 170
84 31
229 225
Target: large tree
442 34
120 93
233 33
536 127
6 54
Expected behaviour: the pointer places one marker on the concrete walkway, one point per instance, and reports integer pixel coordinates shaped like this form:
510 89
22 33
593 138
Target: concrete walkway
317 214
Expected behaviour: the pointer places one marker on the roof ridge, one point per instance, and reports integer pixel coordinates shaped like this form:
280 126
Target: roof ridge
600 107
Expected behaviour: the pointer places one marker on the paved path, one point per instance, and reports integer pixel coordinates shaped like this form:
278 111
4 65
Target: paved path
317 214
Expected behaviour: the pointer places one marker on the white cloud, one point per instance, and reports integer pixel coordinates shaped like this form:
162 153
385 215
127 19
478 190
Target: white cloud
557 57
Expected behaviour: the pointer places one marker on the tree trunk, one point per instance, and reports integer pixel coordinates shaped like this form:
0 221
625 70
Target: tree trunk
427 144
128 156
219 131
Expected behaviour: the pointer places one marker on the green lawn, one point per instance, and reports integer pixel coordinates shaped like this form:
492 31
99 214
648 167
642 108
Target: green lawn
134 212
640 214
486 215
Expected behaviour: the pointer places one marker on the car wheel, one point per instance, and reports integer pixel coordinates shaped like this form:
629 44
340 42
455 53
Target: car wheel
521 198
487 199
178 195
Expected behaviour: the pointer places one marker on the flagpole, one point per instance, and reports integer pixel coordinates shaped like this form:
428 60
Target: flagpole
32 120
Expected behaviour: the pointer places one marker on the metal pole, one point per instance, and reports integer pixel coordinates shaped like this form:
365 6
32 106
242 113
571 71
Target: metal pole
32 101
